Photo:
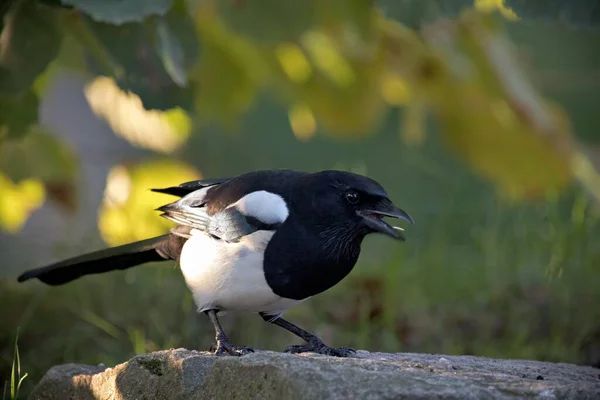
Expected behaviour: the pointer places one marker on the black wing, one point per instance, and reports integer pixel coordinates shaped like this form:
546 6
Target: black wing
209 205
189 187
228 224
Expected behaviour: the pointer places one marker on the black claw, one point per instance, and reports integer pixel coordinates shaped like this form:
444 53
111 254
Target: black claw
321 348
224 346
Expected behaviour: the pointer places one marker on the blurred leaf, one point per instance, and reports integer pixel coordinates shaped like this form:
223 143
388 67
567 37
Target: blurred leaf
18 201
352 17
581 13
489 6
228 74
344 93
171 53
120 11
163 131
414 13
16 115
41 156
30 39
268 21
70 57
128 211
178 43
143 62
302 121
490 113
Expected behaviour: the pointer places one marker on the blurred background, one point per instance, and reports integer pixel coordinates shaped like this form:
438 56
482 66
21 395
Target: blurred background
479 117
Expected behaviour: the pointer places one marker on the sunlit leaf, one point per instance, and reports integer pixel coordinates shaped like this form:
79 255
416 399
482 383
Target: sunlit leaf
120 11
302 121
293 61
18 201
344 93
127 212
394 89
489 6
163 131
492 116
30 39
41 156
17 114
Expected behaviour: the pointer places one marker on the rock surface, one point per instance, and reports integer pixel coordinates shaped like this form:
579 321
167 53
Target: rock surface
184 374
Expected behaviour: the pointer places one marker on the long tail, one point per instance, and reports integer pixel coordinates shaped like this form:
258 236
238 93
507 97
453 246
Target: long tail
160 248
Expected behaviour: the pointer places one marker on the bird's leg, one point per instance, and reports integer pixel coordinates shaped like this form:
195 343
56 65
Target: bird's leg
223 341
313 343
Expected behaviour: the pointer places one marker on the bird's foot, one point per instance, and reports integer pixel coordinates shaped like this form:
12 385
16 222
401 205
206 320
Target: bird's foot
224 346
317 346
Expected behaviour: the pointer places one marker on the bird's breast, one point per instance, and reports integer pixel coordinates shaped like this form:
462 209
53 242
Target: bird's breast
230 276
299 263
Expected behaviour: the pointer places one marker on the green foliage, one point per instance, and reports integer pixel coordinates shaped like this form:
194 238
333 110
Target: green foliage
338 66
16 379
38 155
30 40
269 21
584 13
120 11
17 115
147 58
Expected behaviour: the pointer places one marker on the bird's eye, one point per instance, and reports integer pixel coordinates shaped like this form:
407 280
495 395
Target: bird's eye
352 197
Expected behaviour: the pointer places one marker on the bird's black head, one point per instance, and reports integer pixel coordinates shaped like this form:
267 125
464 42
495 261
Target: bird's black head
351 205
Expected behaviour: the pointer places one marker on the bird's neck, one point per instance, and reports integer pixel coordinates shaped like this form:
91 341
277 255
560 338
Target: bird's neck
339 242
301 262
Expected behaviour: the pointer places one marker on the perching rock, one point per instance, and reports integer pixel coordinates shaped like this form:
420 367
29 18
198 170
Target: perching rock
184 374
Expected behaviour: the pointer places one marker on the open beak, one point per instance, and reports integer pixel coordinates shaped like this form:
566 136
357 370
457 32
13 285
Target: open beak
374 219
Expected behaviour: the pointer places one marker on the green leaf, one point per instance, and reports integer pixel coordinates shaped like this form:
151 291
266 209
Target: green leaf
269 21
16 115
580 13
38 155
177 42
228 74
491 114
120 11
414 13
149 59
42 156
31 39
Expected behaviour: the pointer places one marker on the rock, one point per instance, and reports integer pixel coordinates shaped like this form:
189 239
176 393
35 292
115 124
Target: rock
184 374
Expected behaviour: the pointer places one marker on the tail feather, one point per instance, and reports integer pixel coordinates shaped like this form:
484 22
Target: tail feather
160 248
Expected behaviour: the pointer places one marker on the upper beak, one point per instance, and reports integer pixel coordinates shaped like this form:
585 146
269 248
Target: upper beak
374 219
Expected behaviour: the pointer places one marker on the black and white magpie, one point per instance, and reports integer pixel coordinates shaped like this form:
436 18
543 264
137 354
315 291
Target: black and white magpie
260 242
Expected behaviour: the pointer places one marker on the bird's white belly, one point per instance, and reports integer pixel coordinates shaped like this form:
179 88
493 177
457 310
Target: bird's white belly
230 276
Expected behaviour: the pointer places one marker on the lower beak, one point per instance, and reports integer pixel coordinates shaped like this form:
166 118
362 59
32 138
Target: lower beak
374 220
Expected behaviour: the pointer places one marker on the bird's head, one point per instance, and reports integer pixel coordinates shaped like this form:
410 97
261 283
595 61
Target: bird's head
353 204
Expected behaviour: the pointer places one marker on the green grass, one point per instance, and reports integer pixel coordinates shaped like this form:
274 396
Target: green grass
509 282
13 387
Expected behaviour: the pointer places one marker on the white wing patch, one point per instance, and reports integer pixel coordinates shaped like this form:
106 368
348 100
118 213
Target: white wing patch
194 198
268 207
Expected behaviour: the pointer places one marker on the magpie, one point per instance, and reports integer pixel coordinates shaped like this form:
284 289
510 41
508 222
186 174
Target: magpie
260 242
